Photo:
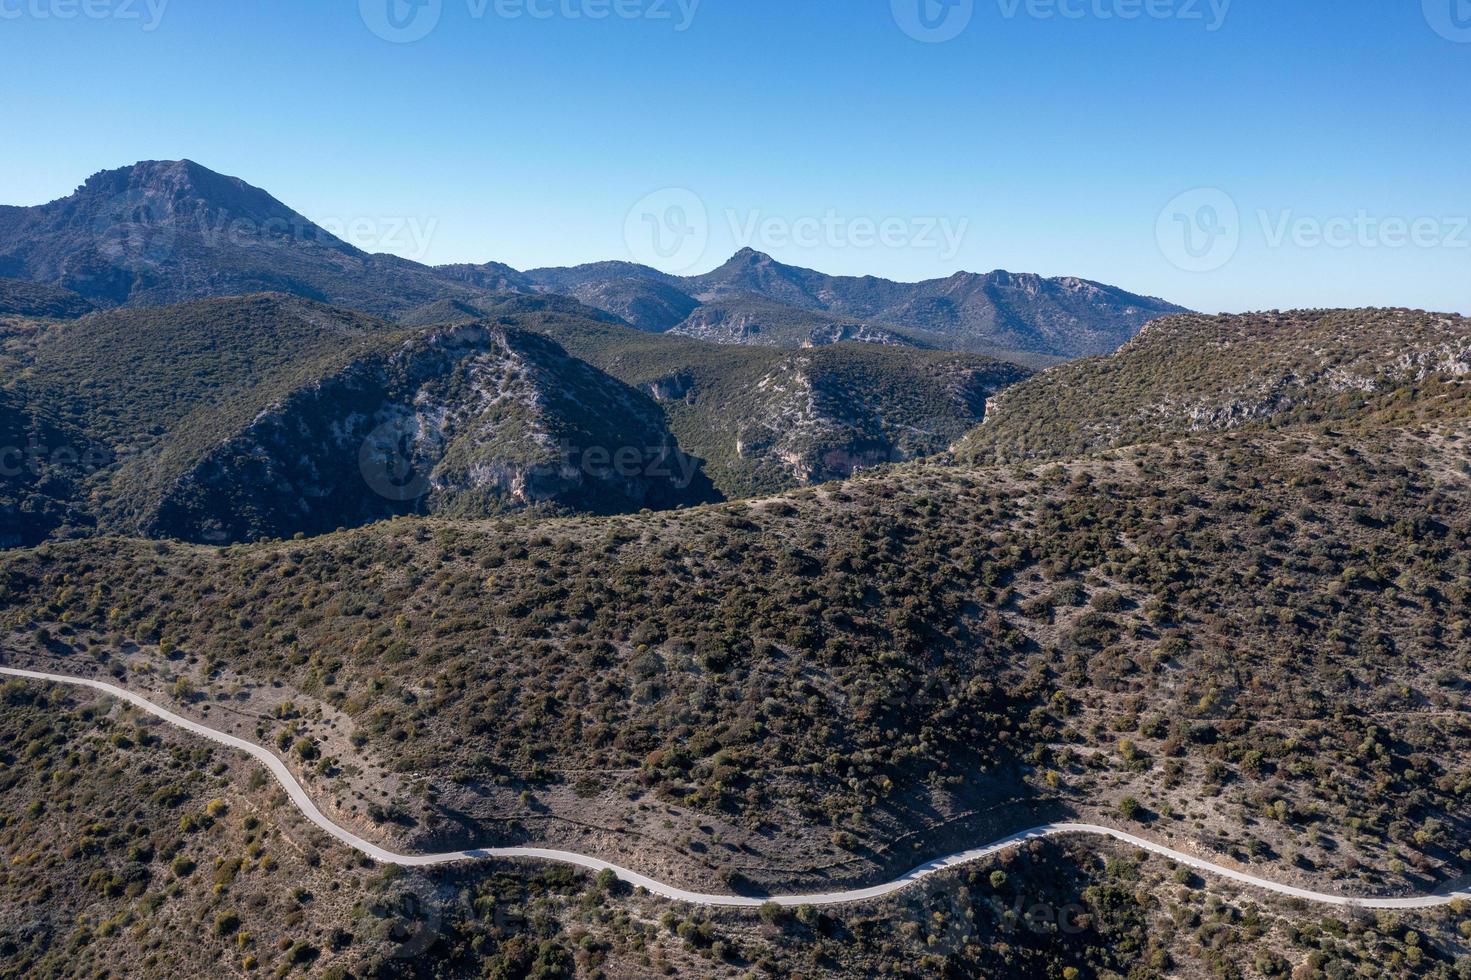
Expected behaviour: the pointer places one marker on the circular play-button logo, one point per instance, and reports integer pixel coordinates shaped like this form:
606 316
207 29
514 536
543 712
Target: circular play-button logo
401 21
933 21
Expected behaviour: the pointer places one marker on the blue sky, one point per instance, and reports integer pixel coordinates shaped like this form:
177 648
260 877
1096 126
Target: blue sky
1269 154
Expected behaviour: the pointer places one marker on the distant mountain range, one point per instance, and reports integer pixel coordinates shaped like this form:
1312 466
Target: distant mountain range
163 232
187 357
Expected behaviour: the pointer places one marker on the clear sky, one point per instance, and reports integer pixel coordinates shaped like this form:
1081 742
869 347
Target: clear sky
1323 149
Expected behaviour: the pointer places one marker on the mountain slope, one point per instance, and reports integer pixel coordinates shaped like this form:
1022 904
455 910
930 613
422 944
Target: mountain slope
42 464
30 299
1000 314
1192 374
643 297
748 318
767 419
466 421
128 377
163 232
230 419
1064 317
826 687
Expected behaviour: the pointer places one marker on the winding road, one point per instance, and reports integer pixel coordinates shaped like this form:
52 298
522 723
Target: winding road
303 802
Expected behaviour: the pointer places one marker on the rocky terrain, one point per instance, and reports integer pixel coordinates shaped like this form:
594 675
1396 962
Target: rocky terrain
269 416
466 420
1194 374
755 320
1065 317
767 419
164 232
1001 314
128 848
761 580
820 687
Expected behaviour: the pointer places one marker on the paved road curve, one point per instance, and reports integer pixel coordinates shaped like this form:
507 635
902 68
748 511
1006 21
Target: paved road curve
299 796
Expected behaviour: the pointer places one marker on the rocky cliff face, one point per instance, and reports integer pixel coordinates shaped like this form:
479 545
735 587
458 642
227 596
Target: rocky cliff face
1190 374
823 418
467 421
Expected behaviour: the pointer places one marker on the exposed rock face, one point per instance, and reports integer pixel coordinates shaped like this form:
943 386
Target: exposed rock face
756 321
820 423
1190 374
163 232
466 421
676 387
863 333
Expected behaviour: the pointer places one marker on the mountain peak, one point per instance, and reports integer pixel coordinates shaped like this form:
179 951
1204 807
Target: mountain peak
183 197
749 256
163 231
172 175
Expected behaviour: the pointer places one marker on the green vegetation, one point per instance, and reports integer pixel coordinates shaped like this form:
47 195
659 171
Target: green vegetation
30 299
237 419
822 662
767 420
1191 374
1257 640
